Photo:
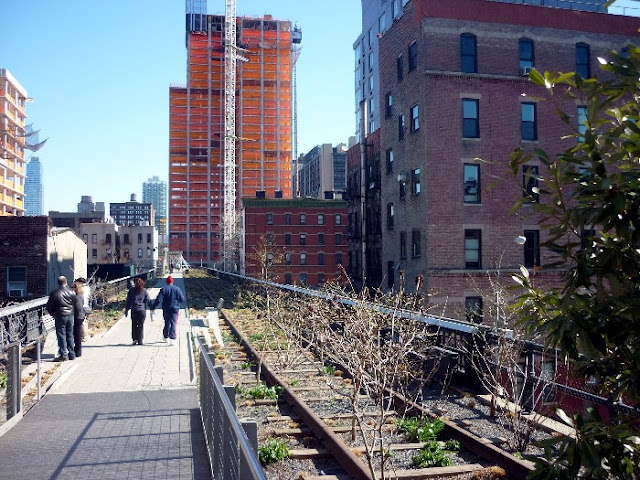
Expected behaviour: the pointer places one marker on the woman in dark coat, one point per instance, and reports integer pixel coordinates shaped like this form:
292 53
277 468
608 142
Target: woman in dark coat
78 317
138 301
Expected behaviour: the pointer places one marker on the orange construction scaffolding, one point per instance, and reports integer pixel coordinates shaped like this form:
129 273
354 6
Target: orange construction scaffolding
196 141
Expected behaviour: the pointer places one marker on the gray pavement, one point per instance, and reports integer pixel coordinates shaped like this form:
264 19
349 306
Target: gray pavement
120 411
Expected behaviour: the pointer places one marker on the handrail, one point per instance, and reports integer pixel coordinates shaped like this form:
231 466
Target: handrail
222 461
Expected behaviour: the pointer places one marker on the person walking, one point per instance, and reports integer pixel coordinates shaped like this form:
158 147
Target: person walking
78 317
138 301
171 298
60 307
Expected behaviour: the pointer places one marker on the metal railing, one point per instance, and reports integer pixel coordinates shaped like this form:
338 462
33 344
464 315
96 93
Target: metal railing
232 444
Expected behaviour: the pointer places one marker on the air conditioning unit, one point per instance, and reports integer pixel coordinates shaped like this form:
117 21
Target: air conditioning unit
524 71
17 292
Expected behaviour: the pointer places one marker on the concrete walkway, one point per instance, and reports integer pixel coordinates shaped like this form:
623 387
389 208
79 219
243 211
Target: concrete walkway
120 411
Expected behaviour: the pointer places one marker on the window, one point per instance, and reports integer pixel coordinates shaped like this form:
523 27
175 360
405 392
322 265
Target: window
471 183
320 278
303 239
148 252
149 238
582 122
94 253
370 34
320 219
140 238
371 60
287 259
94 238
396 9
139 253
270 239
288 279
583 64
532 248
403 244
372 125
303 279
530 182
338 219
321 239
525 55
473 309
303 219
372 108
389 161
382 23
287 219
415 181
287 239
415 118
529 125
468 61
338 239
126 239
16 281
416 250
321 259
400 127
390 216
85 238
402 186
470 123
472 249
413 56
269 218
390 274
400 68
370 91
388 105
339 258
303 259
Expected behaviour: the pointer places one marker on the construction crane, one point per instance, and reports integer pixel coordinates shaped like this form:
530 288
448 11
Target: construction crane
229 211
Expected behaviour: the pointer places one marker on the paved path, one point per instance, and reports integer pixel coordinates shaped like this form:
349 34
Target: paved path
118 412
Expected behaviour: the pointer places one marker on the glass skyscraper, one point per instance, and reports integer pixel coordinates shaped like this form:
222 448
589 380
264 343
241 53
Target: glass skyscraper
33 188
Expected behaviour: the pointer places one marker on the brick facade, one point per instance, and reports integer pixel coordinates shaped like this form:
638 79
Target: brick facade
306 237
44 252
437 213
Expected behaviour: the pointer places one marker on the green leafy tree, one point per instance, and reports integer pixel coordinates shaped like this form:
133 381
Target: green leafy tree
590 206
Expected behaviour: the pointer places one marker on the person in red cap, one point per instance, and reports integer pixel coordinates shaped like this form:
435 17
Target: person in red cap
172 299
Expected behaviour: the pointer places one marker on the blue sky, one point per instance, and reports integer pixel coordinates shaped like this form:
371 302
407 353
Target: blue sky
99 73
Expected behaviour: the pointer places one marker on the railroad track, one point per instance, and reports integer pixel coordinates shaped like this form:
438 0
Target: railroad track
313 415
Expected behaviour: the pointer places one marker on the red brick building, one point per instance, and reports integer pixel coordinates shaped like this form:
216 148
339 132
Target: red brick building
299 241
454 89
33 255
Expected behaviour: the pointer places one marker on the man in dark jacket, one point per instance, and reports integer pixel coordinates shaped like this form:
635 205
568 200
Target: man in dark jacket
172 299
60 307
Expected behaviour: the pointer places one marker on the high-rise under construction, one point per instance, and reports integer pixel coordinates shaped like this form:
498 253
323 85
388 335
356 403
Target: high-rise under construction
263 117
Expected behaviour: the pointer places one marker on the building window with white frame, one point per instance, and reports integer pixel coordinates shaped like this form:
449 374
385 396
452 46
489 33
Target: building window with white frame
473 249
470 118
16 281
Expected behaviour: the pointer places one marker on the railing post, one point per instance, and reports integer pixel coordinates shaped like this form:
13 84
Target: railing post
230 448
250 427
14 381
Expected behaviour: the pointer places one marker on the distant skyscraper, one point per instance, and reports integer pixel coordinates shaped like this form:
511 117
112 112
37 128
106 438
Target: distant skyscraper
33 188
154 191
